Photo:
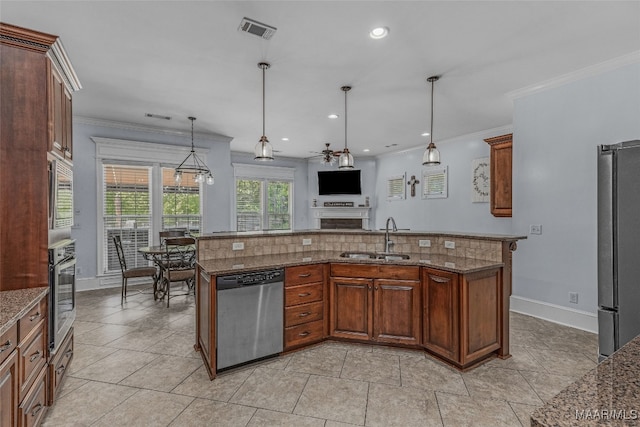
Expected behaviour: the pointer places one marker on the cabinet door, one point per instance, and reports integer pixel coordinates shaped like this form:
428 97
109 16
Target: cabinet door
501 178
441 313
205 323
67 124
396 316
9 391
351 315
56 112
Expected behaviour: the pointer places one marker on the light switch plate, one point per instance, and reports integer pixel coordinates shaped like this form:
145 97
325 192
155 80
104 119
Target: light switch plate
424 243
449 244
237 246
535 229
306 242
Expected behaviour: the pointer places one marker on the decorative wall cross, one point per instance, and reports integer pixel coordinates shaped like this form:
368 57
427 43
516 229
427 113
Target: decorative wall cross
413 183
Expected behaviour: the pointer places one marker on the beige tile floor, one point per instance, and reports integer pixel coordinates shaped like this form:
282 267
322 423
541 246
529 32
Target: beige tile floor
135 366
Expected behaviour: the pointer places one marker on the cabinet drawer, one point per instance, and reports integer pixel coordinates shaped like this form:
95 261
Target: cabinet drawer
304 313
30 320
32 409
59 365
8 341
303 334
376 271
303 294
31 358
303 274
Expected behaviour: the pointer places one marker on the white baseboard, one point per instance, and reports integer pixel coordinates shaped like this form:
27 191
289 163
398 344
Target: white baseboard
556 313
103 282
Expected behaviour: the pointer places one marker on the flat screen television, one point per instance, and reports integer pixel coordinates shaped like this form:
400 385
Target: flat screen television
339 182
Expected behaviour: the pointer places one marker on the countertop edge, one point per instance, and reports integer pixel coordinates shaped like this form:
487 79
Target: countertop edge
13 306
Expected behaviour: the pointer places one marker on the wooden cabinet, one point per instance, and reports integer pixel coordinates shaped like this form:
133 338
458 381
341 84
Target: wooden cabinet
58 366
60 117
206 319
501 178
23 369
378 303
29 61
304 305
462 314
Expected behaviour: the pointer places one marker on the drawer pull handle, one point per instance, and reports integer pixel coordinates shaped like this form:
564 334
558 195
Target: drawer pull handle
305 314
60 370
34 317
36 409
6 346
34 356
306 294
304 275
438 279
304 334
68 353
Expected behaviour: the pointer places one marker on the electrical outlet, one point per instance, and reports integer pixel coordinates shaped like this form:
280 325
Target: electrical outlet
306 242
535 229
449 244
237 246
573 297
424 243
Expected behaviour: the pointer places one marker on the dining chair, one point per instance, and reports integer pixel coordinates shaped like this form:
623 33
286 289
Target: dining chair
178 264
176 232
128 273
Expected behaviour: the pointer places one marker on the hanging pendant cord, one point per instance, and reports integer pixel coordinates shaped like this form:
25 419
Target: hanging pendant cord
431 134
263 96
345 119
192 119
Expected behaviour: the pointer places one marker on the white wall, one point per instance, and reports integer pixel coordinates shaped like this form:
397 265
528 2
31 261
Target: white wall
454 213
85 184
556 134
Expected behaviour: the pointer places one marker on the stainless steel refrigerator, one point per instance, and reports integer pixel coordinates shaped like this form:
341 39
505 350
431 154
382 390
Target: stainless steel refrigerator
618 245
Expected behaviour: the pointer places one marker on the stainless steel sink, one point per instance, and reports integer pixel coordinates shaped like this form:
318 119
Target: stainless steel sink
386 256
359 255
392 256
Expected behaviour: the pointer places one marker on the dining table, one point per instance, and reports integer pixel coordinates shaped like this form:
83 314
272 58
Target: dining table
157 254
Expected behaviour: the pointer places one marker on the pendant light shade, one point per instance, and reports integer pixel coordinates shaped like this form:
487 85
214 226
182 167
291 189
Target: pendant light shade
431 154
194 165
263 150
345 161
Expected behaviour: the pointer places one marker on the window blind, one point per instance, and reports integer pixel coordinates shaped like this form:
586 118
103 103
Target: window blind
180 203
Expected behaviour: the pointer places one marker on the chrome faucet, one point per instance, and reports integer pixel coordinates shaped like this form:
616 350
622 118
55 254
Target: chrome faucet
388 243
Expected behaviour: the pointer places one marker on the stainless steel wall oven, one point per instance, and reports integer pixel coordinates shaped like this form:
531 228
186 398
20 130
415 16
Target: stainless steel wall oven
62 291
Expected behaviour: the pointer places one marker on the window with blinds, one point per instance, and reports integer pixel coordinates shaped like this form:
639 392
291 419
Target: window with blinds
263 204
126 213
180 203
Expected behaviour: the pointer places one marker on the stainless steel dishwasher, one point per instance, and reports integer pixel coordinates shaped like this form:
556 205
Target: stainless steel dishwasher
249 316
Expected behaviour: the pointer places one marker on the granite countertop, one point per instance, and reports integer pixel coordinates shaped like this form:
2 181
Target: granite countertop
608 395
498 237
442 262
15 304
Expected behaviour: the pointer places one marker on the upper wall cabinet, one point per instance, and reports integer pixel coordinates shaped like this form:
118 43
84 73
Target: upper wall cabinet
501 181
33 64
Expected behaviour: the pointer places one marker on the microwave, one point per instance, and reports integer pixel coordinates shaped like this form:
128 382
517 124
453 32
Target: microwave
60 194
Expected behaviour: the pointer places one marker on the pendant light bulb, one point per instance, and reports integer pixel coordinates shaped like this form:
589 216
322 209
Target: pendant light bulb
263 151
345 161
431 154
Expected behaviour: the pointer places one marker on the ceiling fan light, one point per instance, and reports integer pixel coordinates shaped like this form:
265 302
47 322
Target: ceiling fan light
263 150
431 155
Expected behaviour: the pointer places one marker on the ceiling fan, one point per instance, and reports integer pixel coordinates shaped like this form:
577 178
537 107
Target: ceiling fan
328 156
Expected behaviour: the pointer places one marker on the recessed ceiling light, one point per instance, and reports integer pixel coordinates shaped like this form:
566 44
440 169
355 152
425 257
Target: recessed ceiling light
379 33
366 150
425 134
285 139
333 116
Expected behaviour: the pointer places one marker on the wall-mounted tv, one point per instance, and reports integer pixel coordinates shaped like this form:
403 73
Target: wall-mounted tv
339 182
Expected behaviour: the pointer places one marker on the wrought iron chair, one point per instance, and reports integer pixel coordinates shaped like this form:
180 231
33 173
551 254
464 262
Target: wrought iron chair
178 265
128 273
176 232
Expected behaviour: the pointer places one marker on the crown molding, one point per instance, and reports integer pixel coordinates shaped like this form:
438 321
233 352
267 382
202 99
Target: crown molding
590 71
151 129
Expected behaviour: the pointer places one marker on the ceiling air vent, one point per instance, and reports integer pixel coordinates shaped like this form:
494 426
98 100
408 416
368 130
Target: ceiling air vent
257 28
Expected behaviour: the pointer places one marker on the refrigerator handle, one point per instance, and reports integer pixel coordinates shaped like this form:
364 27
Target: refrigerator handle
606 256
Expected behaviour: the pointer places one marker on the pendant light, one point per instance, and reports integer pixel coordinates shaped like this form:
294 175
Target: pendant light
345 161
431 154
263 150
193 164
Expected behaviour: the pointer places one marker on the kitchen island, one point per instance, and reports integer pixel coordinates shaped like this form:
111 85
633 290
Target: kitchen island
448 294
